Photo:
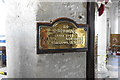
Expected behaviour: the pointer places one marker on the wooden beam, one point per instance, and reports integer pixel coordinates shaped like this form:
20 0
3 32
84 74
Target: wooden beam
90 54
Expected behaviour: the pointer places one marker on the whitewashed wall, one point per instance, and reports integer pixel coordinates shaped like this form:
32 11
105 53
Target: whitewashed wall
22 60
114 18
119 24
21 38
2 18
101 31
101 28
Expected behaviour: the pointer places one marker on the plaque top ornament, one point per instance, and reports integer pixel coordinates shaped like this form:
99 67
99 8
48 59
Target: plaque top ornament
62 35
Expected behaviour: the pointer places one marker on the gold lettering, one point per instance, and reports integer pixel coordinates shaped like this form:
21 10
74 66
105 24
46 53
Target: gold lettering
65 26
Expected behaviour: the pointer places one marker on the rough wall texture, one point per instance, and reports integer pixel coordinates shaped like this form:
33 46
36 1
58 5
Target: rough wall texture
22 60
21 38
48 11
119 24
114 18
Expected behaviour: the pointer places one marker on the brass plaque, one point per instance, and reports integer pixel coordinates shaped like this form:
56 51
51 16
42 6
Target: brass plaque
62 34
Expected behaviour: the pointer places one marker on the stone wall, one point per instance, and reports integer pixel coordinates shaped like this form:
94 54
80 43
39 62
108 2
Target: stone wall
22 59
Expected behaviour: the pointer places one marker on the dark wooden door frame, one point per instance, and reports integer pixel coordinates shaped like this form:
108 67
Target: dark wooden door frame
90 73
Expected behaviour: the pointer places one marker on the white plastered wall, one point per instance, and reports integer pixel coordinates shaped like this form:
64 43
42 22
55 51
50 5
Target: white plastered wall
101 31
22 59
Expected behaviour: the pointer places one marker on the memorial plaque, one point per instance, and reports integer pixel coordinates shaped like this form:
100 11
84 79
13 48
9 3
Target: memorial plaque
62 35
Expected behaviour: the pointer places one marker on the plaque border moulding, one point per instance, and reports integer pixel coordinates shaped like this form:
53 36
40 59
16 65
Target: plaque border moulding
67 50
